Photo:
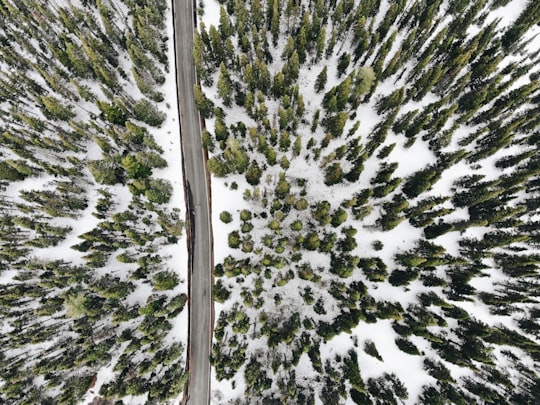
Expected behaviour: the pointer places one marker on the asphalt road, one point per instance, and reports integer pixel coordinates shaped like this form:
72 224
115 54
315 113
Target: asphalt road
200 304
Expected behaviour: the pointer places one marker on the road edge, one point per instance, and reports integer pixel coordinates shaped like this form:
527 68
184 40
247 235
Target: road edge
188 219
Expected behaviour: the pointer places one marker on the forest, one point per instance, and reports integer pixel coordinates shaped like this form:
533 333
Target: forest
386 152
90 297
376 179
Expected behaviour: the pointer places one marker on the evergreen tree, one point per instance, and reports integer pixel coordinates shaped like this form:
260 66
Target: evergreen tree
203 103
292 68
333 174
274 20
320 83
225 26
53 109
365 77
278 87
253 174
148 113
343 63
320 44
224 86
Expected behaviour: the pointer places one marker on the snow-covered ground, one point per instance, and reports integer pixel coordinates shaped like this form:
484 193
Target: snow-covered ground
410 158
167 136
87 119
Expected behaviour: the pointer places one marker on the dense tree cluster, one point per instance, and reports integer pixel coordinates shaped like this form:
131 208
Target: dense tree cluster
79 97
355 90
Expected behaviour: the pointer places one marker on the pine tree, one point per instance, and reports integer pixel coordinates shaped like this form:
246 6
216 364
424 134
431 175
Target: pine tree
218 51
147 112
333 174
343 91
320 83
220 130
203 103
292 68
364 80
257 16
274 21
278 87
343 63
320 44
288 49
253 173
8 172
217 167
112 113
55 110
264 79
224 86
159 191
334 124
225 26
202 68
282 187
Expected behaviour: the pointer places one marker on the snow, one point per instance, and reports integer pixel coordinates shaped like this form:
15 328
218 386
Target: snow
176 255
210 14
225 197
507 15
411 158
228 201
407 367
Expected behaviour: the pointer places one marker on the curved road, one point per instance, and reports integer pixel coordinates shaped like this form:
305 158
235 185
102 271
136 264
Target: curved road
195 178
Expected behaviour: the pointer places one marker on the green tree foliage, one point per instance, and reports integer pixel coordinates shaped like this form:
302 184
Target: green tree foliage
253 173
67 69
225 26
165 280
282 187
388 388
112 113
135 168
321 212
9 172
224 85
146 111
220 292
333 175
225 217
373 268
371 349
343 63
53 109
106 171
452 79
159 191
334 124
322 78
420 181
365 78
76 305
203 103
256 377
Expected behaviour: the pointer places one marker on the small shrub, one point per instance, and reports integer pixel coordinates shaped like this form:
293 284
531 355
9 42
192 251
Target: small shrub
165 280
225 217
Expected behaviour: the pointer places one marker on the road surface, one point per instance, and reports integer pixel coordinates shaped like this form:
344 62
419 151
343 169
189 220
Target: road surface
200 304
